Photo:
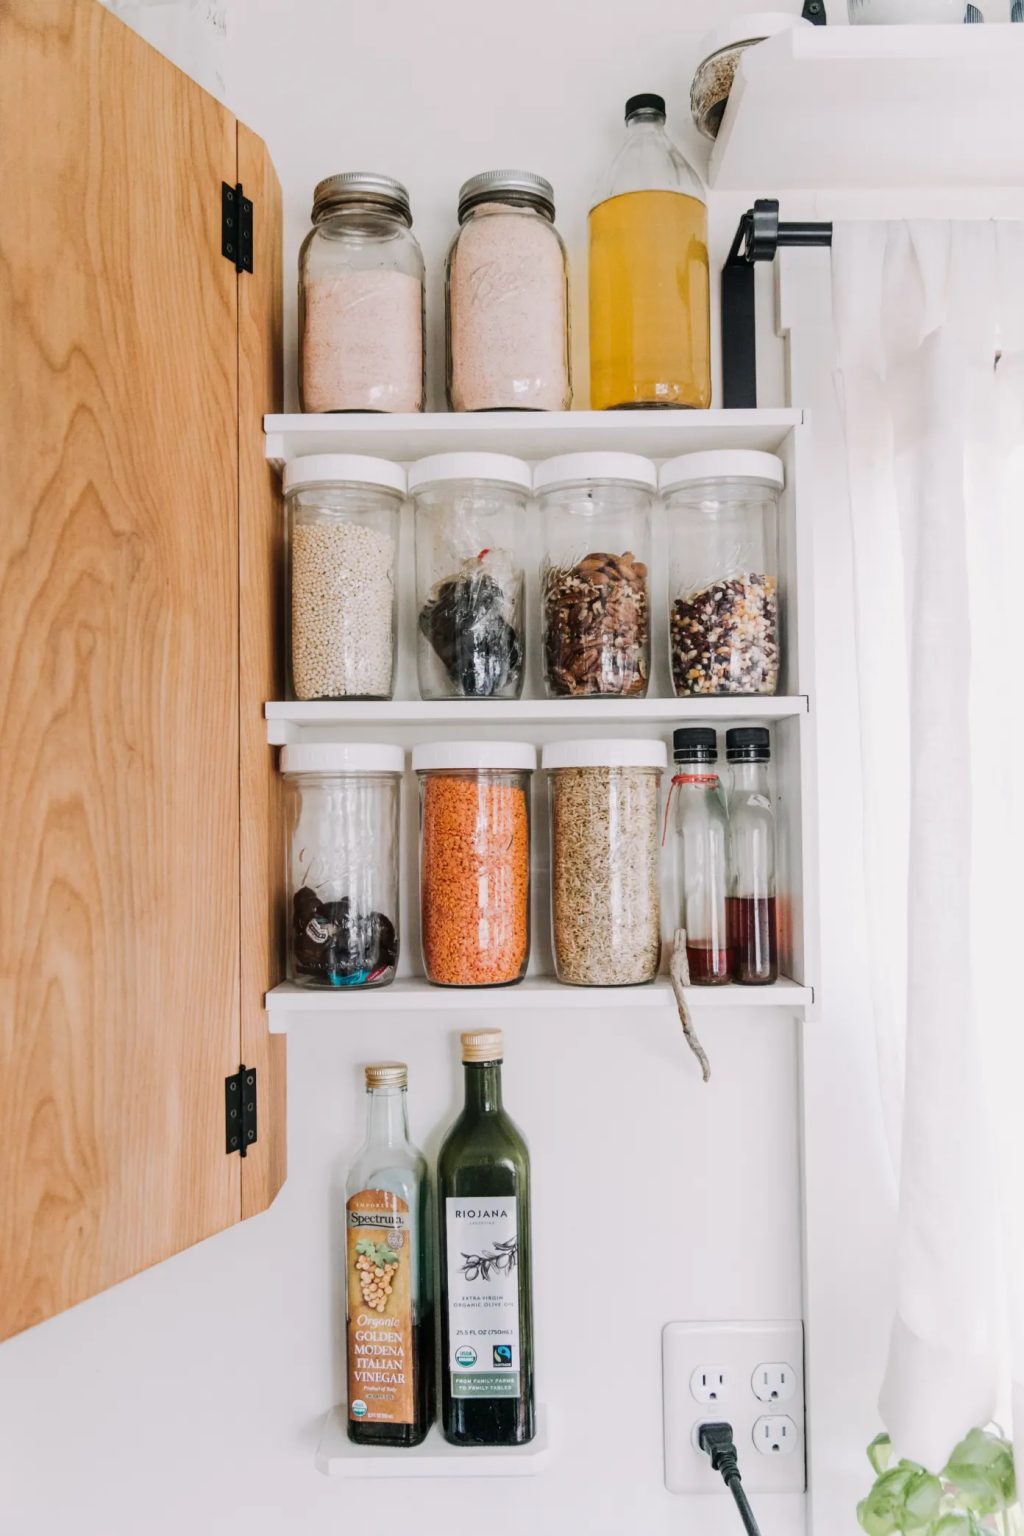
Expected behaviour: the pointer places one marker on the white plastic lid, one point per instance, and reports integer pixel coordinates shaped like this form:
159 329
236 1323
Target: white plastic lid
754 27
342 757
605 752
499 468
343 468
507 756
722 464
577 468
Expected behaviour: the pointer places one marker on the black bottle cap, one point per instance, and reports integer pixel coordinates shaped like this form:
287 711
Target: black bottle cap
647 101
748 744
695 744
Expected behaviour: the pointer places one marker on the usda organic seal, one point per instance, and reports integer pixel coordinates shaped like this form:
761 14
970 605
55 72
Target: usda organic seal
466 1356
359 1409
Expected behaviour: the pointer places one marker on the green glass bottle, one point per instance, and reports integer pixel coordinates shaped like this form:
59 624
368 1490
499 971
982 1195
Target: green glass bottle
483 1174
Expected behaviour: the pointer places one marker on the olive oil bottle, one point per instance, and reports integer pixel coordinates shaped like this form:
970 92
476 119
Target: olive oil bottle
389 1273
483 1174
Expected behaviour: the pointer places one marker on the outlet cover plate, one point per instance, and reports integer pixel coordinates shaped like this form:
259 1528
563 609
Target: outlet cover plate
738 1349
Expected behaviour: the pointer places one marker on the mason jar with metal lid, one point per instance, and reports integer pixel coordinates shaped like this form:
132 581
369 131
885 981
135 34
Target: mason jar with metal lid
507 289
361 344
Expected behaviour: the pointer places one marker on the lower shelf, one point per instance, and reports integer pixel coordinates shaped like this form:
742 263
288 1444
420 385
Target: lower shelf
415 994
336 1456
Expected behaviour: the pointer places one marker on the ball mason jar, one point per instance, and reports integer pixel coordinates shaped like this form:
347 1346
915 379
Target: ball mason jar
469 514
361 337
722 515
595 597
605 860
341 820
474 860
342 513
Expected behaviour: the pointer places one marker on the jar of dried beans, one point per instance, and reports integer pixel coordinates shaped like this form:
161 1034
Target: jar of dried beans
474 860
605 870
507 287
342 514
469 514
361 299
341 862
723 571
596 513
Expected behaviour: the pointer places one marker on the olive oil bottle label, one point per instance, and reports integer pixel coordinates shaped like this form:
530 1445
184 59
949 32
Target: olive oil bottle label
379 1261
482 1256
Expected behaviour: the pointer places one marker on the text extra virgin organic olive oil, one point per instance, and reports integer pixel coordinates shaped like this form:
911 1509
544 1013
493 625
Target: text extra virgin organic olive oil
483 1175
388 1271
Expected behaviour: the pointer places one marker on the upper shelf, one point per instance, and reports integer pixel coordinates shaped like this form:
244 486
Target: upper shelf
527 434
878 108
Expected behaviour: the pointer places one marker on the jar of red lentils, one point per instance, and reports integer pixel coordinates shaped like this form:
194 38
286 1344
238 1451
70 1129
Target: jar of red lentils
474 860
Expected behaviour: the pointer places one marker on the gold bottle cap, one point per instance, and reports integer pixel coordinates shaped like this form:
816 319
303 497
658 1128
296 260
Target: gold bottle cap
483 1045
387 1074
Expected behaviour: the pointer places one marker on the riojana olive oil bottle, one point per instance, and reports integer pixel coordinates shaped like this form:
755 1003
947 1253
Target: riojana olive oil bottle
483 1175
389 1273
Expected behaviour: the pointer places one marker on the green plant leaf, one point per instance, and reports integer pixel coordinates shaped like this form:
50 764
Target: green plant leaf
880 1453
954 1525
921 1500
883 1512
981 1470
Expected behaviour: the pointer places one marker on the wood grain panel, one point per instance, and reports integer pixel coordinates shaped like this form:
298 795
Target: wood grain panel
119 924
260 546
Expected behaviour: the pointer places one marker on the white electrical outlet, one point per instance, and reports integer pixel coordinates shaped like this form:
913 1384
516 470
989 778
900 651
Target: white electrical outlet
750 1367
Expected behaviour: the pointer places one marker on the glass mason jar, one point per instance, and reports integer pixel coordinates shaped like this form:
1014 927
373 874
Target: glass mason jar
341 862
342 514
605 881
474 860
469 514
596 513
723 561
701 828
361 341
750 906
507 298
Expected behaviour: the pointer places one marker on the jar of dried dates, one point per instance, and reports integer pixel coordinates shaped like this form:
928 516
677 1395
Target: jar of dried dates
595 600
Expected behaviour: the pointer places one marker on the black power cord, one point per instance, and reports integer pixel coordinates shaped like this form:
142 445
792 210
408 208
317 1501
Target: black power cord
716 1441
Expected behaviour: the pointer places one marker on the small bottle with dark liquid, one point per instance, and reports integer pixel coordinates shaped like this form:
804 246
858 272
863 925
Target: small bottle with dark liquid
750 907
701 829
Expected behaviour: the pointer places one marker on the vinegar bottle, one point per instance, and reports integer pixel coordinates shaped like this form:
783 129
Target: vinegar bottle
750 906
650 325
701 828
483 1176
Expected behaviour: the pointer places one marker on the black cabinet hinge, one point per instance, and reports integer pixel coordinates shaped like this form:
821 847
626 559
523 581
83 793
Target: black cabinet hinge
236 227
240 1110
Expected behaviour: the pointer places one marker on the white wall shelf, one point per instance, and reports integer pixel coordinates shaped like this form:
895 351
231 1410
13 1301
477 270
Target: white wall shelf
839 108
336 1456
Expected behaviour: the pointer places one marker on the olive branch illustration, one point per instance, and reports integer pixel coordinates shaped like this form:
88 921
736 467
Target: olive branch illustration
502 1261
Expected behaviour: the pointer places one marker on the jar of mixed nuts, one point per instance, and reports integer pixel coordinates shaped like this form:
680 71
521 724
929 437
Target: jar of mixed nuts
596 512
605 879
342 527
475 860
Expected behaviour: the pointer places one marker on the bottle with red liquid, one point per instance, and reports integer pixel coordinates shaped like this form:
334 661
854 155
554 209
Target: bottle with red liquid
701 828
750 907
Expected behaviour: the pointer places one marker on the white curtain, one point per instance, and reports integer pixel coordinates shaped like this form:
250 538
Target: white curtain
929 321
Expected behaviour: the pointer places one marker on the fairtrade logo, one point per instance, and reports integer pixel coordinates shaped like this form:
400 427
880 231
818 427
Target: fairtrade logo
503 1354
466 1356
359 1409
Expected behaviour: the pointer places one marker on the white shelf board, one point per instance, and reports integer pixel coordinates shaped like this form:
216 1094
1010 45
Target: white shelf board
413 994
285 720
529 434
336 1456
837 108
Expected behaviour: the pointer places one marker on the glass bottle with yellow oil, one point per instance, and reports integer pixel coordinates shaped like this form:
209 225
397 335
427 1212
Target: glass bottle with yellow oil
650 326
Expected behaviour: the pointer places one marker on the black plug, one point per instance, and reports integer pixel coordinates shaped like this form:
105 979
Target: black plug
716 1441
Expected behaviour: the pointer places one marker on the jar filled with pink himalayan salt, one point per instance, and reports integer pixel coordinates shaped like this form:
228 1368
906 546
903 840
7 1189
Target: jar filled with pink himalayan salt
361 342
507 286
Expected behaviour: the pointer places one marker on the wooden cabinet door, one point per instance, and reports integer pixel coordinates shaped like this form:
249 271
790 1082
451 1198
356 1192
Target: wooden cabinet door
120 809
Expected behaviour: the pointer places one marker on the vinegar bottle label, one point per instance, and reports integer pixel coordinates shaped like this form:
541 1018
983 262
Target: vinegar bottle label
482 1256
380 1335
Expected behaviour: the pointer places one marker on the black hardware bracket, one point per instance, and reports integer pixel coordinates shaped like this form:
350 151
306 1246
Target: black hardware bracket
814 11
758 237
236 227
240 1110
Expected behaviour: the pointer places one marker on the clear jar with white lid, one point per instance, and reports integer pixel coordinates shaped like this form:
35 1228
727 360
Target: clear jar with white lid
341 823
469 515
595 597
722 514
361 339
507 293
475 860
342 513
605 860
